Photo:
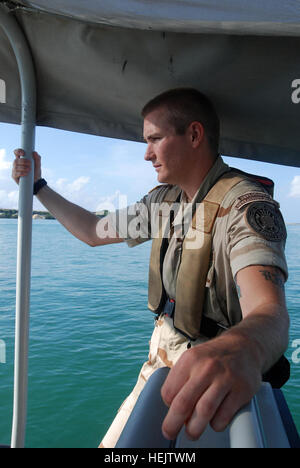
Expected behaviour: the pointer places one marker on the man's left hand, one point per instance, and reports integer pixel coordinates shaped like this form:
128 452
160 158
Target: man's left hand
209 384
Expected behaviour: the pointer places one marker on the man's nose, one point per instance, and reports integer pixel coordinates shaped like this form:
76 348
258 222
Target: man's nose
149 155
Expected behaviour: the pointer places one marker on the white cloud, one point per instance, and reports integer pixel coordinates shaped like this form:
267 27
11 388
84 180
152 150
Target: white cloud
9 199
69 188
60 184
78 184
295 187
76 191
112 202
4 164
8 190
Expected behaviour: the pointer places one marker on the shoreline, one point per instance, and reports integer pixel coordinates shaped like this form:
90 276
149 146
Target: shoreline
7 213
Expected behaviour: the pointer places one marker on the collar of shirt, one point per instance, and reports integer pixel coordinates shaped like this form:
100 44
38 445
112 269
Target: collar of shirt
184 214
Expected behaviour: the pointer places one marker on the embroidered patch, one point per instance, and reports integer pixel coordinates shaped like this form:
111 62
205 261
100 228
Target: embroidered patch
265 219
251 197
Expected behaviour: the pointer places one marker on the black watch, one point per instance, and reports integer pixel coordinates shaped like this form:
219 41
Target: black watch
38 185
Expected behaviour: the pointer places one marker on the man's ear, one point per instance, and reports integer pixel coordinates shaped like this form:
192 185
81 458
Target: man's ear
196 133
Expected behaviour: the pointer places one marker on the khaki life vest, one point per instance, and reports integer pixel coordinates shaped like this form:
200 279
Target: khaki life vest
195 257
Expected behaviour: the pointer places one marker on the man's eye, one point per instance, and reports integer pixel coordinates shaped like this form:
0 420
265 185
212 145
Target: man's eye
153 139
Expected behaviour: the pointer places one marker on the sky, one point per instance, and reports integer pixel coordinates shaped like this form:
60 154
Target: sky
102 173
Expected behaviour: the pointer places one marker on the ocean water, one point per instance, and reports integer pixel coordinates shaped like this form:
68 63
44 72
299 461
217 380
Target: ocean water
89 333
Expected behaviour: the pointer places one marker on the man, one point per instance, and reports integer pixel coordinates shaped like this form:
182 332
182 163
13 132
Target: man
217 269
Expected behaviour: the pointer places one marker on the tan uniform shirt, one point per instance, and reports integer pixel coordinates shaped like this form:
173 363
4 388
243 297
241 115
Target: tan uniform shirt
236 244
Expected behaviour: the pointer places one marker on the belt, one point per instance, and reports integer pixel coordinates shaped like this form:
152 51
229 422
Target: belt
209 327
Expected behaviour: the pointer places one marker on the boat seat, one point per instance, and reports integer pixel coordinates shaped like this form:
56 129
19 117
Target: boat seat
263 423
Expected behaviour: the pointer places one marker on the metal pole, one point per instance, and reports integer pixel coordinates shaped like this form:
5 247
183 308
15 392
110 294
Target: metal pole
27 76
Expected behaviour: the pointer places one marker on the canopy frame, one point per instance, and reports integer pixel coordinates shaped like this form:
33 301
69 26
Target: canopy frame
22 53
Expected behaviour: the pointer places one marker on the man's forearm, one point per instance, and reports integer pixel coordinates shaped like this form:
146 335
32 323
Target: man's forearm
80 222
265 318
265 334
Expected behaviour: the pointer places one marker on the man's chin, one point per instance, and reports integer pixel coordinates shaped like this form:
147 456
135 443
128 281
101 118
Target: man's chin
163 179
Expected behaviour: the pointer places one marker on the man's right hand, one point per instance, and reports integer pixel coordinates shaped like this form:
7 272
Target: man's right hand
22 167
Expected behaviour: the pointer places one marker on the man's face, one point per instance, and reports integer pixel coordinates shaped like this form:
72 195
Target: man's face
167 151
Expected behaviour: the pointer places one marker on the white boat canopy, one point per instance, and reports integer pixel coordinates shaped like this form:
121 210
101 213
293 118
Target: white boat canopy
98 62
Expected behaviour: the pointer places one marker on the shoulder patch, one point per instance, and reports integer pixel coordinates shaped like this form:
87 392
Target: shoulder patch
266 220
251 197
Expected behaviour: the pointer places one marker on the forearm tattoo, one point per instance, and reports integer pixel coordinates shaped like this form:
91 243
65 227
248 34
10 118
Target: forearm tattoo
238 288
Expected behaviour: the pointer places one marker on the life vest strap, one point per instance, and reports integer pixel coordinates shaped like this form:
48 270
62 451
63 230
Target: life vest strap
209 327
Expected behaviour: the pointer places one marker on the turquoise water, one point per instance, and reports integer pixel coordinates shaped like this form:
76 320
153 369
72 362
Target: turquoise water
89 333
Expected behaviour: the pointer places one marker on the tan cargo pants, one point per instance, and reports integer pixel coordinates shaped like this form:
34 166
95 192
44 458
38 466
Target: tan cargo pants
166 346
